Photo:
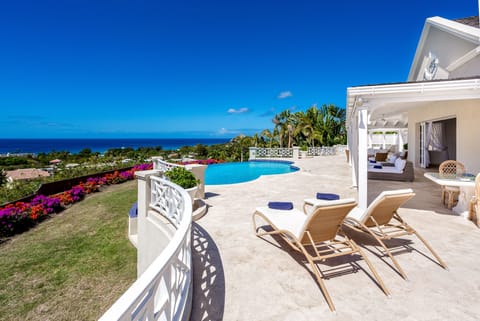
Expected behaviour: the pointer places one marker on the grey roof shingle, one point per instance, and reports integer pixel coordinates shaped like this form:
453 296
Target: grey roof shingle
469 21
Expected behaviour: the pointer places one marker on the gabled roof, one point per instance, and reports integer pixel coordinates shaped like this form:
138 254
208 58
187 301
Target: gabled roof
469 21
460 28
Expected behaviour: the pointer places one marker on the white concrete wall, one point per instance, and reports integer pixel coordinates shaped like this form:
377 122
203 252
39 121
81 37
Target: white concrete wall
447 48
467 114
154 231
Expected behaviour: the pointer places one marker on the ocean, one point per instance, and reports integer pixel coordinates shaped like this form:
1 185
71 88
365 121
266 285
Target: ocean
101 145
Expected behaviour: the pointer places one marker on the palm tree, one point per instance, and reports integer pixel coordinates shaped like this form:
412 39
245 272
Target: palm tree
304 128
267 134
282 122
255 138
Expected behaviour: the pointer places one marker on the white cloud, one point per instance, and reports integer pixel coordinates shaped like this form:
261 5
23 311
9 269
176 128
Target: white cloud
285 94
238 111
223 131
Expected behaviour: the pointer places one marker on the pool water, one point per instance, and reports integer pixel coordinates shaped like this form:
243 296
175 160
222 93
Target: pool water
232 173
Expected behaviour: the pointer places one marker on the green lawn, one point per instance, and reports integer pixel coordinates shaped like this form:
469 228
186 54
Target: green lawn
72 266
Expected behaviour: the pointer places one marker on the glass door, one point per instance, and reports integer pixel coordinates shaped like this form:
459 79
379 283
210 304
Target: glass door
423 148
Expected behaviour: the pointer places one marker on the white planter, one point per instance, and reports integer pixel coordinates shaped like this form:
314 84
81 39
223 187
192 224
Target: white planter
192 192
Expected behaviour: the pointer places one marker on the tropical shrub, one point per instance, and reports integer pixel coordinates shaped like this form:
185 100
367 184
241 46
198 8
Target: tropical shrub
208 161
182 177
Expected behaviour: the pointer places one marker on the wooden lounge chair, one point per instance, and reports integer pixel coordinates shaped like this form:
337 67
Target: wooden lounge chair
315 235
474 209
382 221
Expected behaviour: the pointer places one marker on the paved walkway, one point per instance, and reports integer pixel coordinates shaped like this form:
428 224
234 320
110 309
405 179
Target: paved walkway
239 276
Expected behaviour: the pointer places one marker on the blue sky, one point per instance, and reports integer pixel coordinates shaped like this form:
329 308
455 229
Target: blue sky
178 68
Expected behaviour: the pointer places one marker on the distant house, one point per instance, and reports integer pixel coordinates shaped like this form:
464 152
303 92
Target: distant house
25 174
438 107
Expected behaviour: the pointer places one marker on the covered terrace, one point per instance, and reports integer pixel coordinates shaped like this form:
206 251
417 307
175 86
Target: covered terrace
418 102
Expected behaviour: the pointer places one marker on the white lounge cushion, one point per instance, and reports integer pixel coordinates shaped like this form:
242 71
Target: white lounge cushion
315 202
400 164
319 203
290 220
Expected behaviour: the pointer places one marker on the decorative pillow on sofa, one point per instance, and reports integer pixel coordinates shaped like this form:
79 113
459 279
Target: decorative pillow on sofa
381 157
400 164
392 157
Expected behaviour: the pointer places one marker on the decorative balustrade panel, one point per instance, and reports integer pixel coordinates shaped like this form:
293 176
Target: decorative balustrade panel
274 153
321 151
163 165
167 200
162 291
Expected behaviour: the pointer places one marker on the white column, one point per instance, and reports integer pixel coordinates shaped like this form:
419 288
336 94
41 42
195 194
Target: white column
362 157
252 152
352 146
400 140
296 152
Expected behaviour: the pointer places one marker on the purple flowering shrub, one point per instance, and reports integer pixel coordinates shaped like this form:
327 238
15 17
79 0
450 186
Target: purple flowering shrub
19 217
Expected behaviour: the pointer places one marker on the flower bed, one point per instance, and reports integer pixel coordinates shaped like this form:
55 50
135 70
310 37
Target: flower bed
19 217
203 162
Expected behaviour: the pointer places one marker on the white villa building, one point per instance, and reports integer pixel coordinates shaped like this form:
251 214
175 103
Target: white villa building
437 109
441 95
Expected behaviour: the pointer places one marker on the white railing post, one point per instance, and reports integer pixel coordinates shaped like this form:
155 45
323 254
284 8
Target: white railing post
296 152
143 199
199 172
252 153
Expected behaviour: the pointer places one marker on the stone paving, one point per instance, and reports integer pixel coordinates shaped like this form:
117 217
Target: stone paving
238 276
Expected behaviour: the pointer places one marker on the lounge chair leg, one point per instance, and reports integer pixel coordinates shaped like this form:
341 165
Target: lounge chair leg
316 271
375 273
395 262
440 261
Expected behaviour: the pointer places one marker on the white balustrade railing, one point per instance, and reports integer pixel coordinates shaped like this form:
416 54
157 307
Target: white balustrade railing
321 151
163 166
163 291
274 152
294 152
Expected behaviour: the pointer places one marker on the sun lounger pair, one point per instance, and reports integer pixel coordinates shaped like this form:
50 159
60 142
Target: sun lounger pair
317 231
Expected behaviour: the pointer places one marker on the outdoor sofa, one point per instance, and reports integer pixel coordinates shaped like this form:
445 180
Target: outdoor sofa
399 170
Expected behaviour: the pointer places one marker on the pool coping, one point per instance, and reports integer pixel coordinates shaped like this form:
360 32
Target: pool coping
292 164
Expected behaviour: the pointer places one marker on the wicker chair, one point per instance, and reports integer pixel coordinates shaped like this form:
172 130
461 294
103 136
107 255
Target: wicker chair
474 210
450 168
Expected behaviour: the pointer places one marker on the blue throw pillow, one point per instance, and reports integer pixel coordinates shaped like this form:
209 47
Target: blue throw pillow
280 205
378 166
133 210
328 196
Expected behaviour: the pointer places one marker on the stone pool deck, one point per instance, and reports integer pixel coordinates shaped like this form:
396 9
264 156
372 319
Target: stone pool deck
239 276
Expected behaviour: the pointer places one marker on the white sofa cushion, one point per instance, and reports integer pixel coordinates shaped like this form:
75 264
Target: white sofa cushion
386 169
392 157
400 164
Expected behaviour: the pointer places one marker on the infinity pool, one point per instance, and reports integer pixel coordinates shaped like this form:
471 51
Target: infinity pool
232 173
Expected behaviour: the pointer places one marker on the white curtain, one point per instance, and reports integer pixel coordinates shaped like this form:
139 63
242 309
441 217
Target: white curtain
438 139
428 139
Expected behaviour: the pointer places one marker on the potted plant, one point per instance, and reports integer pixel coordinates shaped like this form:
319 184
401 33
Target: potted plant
185 179
303 151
